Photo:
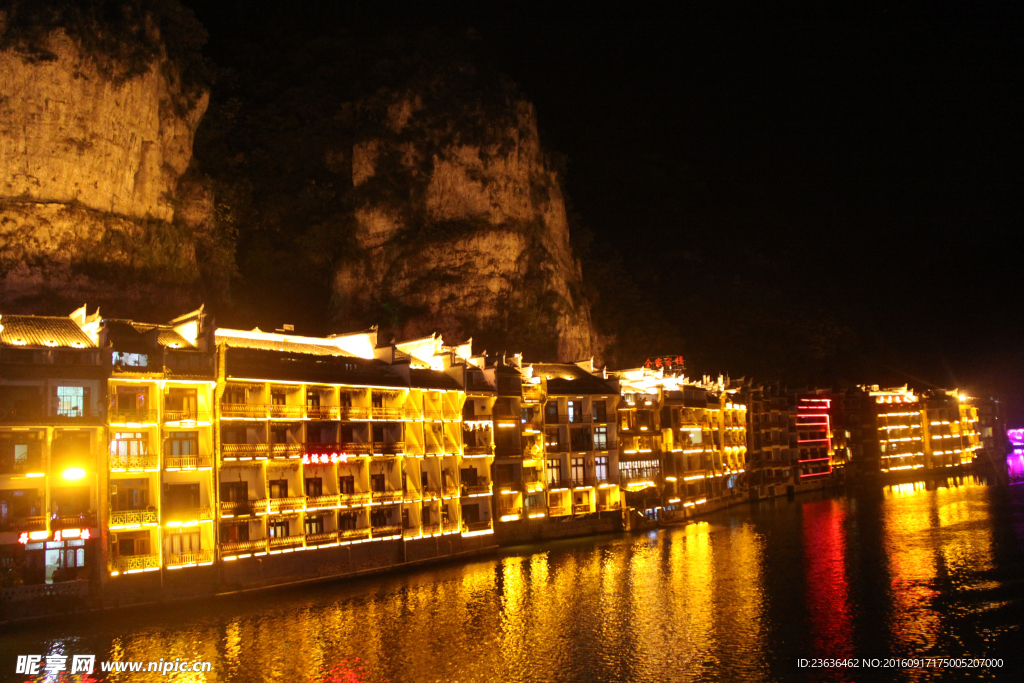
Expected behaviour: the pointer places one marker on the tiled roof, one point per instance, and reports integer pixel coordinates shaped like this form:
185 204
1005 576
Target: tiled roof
259 364
567 378
431 379
283 343
129 332
38 330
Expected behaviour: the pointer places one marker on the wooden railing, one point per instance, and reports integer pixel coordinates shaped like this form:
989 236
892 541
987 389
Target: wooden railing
477 526
272 505
354 448
477 450
322 412
130 517
478 487
386 413
352 498
326 501
580 509
19 524
134 462
284 541
353 413
430 529
386 530
389 448
182 415
429 415
243 546
610 506
82 521
352 534
323 537
277 410
187 514
558 510
187 462
390 494
127 563
286 450
244 449
237 507
243 410
181 559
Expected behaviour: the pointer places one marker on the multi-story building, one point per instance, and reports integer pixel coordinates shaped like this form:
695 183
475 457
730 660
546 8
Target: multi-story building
773 449
160 475
52 391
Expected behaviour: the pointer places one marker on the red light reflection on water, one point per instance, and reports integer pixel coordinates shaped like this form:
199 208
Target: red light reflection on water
827 589
350 671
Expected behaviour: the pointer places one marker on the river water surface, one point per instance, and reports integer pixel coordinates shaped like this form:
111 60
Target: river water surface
912 570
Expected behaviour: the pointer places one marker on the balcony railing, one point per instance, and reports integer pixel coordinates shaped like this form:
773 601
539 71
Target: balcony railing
389 448
126 416
322 412
430 415
477 450
237 507
235 450
243 546
430 529
243 410
432 492
134 462
389 494
412 414
386 413
478 487
609 506
354 448
286 411
477 526
534 486
18 524
386 530
187 462
353 413
81 521
581 509
285 541
272 505
323 537
182 559
326 501
186 415
578 482
21 467
286 450
353 534
127 563
353 498
558 510
132 517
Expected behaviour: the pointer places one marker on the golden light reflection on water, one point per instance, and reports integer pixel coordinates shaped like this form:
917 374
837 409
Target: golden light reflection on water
693 602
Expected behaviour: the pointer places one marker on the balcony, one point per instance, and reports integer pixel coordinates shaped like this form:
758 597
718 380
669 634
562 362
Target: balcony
280 411
477 526
186 416
386 530
80 521
412 414
534 486
558 511
556 419
134 563
137 416
353 498
11 466
146 461
430 529
286 541
585 482
353 413
245 450
132 517
19 524
433 415
432 492
327 501
250 410
609 506
386 495
581 509
273 505
286 451
238 508
322 412
353 534
480 486
243 546
187 462
185 559
477 450
389 448
353 448
385 414
323 537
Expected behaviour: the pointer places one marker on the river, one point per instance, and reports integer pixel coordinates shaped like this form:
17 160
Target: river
903 571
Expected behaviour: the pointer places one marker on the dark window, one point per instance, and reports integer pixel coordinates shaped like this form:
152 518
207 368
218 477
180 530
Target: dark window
314 486
127 544
347 484
551 412
278 488
234 533
181 404
314 524
279 528
575 411
346 521
181 497
377 482
278 397
129 494
600 411
234 491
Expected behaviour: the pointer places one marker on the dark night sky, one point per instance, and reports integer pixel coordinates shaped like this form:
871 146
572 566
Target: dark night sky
866 162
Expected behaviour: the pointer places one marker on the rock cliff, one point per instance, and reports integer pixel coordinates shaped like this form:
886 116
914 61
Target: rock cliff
92 199
462 228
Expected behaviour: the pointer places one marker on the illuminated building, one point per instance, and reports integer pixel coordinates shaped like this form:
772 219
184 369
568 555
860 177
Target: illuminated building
814 436
683 442
52 390
338 446
773 447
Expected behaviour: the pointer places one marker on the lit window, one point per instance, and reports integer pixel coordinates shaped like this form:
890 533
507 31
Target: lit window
71 401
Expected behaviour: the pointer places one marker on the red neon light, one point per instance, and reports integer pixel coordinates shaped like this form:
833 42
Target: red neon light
816 474
815 459
810 440
23 539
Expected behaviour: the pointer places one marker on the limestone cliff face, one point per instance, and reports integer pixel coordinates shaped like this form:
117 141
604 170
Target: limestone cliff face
467 236
91 190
